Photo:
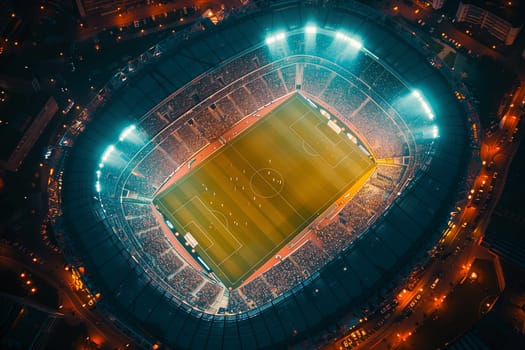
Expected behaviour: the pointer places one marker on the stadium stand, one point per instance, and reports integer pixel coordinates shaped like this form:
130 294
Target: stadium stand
143 278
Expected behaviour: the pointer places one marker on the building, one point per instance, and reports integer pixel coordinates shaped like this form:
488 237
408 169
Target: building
30 325
499 21
437 4
105 7
173 94
22 129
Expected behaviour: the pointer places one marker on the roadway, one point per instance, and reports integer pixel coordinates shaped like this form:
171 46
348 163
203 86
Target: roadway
51 268
451 263
456 251
454 254
430 21
452 260
92 25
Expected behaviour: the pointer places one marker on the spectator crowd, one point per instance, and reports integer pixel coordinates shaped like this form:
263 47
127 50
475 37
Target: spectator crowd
199 113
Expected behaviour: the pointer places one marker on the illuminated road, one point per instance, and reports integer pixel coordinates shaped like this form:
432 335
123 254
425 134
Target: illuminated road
460 245
450 265
90 26
440 25
72 307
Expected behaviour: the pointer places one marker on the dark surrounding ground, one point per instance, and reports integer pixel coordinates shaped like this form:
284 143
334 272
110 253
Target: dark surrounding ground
15 283
264 202
489 81
508 219
502 328
460 310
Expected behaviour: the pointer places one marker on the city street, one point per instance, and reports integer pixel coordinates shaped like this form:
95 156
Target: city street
72 306
460 243
94 71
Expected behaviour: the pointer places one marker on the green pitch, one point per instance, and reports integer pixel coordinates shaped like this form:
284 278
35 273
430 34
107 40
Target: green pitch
252 196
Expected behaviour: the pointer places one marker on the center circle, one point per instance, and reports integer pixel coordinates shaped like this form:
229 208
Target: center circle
266 183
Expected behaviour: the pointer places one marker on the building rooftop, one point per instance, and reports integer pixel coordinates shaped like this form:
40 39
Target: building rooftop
510 10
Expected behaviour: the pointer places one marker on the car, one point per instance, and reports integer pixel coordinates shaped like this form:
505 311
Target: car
67 108
408 311
477 199
414 301
348 343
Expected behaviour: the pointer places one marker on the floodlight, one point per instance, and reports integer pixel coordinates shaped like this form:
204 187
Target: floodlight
435 132
270 40
424 104
273 38
355 43
311 29
352 41
108 151
126 132
416 94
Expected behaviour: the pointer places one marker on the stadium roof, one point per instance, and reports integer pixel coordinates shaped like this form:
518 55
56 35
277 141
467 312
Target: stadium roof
347 283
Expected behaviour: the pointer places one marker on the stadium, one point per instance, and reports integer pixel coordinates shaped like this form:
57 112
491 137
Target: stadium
257 183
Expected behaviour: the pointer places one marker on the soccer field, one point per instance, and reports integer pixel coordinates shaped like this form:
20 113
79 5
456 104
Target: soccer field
252 196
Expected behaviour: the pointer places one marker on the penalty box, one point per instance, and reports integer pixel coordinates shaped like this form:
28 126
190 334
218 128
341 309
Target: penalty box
253 195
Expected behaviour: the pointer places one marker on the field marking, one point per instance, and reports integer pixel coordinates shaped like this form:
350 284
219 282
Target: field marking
221 271
340 139
193 222
223 215
197 197
294 233
253 168
317 126
171 214
277 192
218 265
350 154
228 257
309 150
205 250
335 144
305 222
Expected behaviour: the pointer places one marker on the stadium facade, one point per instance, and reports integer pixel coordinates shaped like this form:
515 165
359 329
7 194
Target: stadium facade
171 86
